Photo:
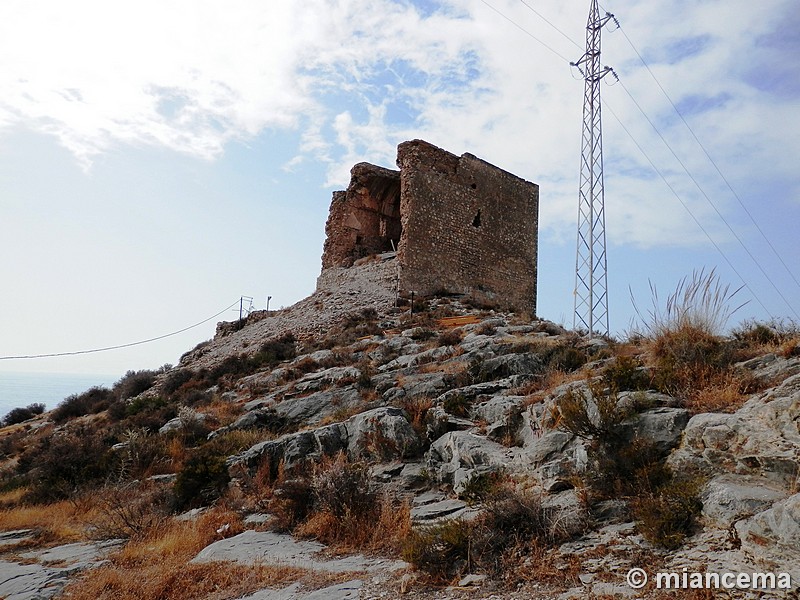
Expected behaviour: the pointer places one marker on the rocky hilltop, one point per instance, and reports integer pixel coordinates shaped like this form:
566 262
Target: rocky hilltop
347 448
401 433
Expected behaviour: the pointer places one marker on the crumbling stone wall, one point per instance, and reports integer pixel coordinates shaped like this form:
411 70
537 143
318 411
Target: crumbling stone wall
364 219
460 224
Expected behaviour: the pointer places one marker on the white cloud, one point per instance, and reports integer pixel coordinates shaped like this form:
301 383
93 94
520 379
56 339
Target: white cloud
357 76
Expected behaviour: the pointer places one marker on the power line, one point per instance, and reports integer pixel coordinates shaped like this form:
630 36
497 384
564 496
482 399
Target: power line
526 32
694 180
686 206
711 202
711 160
549 22
139 343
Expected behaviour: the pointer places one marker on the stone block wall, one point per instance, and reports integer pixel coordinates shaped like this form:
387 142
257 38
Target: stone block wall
460 224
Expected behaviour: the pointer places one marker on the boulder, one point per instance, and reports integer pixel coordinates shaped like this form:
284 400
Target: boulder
266 547
729 498
311 409
186 419
421 385
772 537
458 456
499 367
382 432
661 426
502 414
761 439
313 382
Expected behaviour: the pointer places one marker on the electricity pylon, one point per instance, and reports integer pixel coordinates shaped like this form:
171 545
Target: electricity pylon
591 279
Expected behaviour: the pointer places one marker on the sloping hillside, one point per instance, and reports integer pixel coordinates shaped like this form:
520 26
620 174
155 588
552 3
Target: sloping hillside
374 453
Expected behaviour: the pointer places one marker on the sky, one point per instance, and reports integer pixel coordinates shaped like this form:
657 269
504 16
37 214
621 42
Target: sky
160 160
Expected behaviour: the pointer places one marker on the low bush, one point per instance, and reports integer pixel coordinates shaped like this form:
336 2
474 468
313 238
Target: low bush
443 551
457 404
131 510
481 487
451 337
133 383
204 477
64 464
18 415
336 502
668 515
666 506
292 503
626 373
92 401
514 524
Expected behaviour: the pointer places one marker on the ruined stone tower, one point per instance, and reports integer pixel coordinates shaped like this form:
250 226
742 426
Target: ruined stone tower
459 225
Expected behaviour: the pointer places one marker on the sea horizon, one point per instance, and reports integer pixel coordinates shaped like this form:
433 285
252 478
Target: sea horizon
20 389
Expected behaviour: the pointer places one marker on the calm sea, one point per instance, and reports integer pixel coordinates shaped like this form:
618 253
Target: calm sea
22 389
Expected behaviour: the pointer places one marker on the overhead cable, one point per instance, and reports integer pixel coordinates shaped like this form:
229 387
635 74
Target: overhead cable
119 346
710 159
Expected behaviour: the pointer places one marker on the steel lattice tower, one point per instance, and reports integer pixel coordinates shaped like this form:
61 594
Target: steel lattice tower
591 281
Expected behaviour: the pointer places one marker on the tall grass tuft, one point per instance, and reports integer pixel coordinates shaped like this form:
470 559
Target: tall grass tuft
701 303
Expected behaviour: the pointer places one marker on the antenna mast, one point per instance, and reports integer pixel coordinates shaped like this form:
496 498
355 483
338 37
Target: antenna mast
591 281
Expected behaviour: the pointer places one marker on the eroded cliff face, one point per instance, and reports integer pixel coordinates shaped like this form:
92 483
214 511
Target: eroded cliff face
460 225
364 219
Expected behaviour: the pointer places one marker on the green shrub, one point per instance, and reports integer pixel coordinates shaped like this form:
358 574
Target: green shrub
443 551
667 516
595 415
64 464
92 401
133 383
618 465
457 404
481 487
565 358
204 476
18 415
626 374
202 479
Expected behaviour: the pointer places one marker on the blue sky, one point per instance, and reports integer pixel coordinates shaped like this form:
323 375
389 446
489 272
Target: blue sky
160 159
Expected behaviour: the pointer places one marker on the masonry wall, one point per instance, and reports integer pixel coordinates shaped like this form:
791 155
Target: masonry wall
460 225
468 227
364 219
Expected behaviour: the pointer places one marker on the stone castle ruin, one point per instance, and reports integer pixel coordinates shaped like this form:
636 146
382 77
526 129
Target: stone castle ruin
458 225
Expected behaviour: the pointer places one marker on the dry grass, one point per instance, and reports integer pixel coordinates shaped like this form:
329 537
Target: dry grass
223 412
699 303
382 532
725 392
59 522
537 389
449 367
417 410
177 580
157 567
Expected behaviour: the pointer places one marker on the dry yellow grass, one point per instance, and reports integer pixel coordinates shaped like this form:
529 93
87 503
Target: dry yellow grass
222 411
60 522
725 393
384 534
156 566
